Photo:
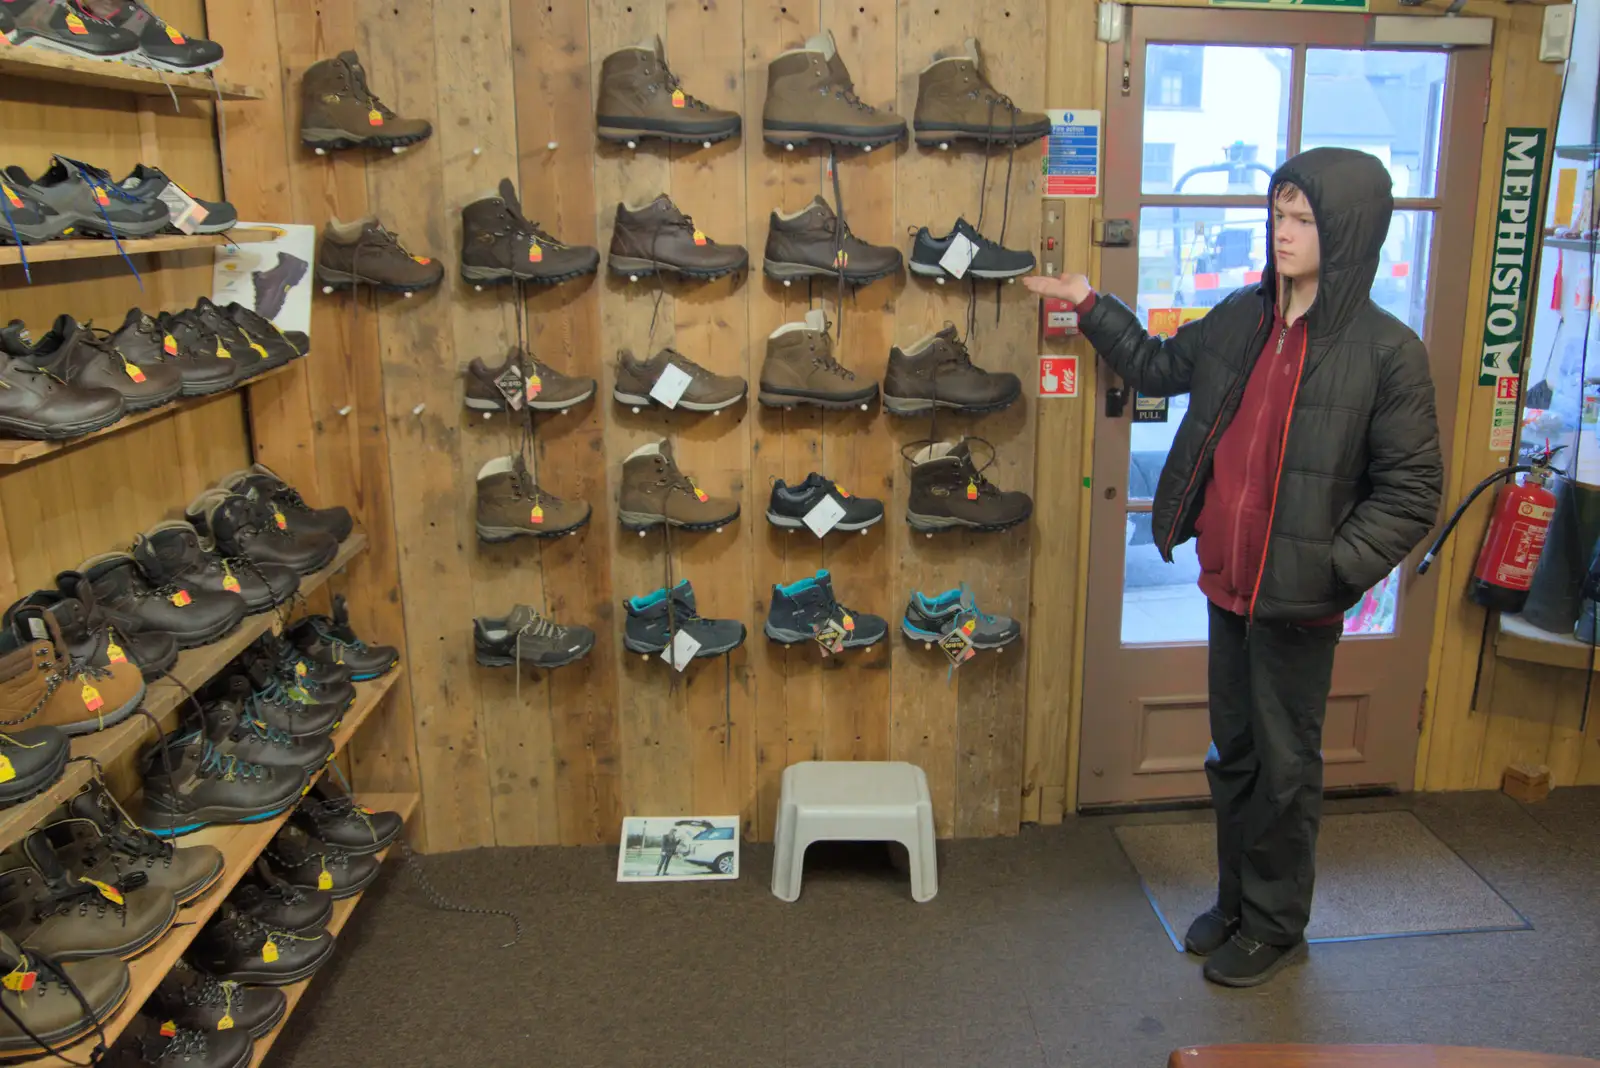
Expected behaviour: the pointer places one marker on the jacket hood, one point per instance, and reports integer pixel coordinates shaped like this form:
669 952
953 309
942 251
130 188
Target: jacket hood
1350 196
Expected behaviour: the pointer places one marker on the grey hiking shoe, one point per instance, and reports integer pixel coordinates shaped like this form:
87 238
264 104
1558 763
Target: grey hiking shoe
654 618
929 619
91 202
523 636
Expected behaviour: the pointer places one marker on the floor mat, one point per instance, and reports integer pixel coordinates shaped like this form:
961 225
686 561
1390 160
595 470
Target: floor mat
1379 875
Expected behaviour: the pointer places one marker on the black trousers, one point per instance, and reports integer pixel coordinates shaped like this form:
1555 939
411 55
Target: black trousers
1269 692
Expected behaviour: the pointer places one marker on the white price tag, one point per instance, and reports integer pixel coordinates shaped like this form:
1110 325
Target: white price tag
681 651
959 256
824 516
37 628
669 388
187 215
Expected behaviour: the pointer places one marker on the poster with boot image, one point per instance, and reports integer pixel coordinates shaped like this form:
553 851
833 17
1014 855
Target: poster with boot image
661 849
270 278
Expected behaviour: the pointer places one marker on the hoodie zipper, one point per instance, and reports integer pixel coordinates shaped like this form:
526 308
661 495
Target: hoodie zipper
1277 481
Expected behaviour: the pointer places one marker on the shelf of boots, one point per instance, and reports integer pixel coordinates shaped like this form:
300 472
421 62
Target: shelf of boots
162 698
42 65
404 804
240 845
96 248
15 451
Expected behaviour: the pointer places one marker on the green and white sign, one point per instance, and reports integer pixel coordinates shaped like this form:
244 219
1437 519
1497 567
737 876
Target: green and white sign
1336 5
1516 230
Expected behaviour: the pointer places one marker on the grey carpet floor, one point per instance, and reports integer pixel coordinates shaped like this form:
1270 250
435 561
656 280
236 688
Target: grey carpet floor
1040 950
1378 874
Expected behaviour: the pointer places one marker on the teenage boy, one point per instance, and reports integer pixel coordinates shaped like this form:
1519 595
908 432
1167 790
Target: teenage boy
1308 466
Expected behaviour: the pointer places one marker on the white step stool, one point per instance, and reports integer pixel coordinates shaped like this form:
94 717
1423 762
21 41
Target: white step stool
854 801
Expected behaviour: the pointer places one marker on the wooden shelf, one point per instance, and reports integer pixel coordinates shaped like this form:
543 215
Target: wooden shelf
194 668
43 65
19 451
1520 640
240 844
404 804
93 248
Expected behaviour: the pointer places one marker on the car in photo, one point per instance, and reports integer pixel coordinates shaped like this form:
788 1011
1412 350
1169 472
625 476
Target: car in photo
714 848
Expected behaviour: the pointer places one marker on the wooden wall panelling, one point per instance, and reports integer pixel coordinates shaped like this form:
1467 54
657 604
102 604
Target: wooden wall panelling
550 54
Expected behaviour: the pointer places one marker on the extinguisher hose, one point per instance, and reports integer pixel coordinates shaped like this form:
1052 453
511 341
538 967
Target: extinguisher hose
1455 517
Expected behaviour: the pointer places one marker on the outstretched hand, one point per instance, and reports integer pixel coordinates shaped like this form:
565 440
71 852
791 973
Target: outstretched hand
1071 287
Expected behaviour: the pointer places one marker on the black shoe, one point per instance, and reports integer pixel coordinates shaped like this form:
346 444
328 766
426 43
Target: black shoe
51 910
263 696
95 837
149 183
802 610
260 329
150 1043
270 898
206 365
199 1002
231 724
653 619
170 552
272 286
125 636
1243 961
260 483
164 47
992 260
242 527
239 947
340 821
523 636
330 640
207 785
36 757
337 694
251 356
191 615
1209 932
27 219
310 864
143 343
293 665
789 505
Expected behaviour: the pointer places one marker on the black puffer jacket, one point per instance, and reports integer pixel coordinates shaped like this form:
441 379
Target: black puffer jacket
1361 476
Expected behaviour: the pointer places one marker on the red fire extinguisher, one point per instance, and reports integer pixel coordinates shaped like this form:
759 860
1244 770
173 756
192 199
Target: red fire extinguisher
1515 539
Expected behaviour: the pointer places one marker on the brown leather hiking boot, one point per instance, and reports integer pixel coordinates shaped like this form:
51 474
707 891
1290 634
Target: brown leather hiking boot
814 242
640 98
42 685
810 95
42 995
706 391
499 244
658 237
51 911
948 491
339 111
654 492
36 404
800 369
84 357
511 505
955 100
532 383
365 253
937 372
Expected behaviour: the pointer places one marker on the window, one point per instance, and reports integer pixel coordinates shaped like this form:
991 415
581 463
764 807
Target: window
1173 76
1158 166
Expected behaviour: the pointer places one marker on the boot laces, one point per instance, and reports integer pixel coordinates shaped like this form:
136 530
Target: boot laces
974 472
336 809
215 764
823 357
125 835
358 78
674 83
47 973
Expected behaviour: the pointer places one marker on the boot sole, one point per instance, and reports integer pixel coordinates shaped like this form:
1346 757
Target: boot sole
32 235
784 271
341 280
933 137
642 268
933 270
793 400
500 535
791 523
497 276
139 59
641 521
19 790
1297 953
219 815
509 661
917 634
98 228
475 405
195 641
338 140
29 39
775 135
622 134
922 406
647 401
57 432
100 723
705 652
145 404
939 524
796 637
206 389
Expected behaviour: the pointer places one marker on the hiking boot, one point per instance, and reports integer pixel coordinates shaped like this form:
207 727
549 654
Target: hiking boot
44 995
805 610
338 110
29 220
196 1001
240 948
937 372
150 1043
63 26
948 491
261 664
62 915
340 821
250 357
90 636
240 527
810 95
263 336
640 97
31 761
955 100
991 261
499 244
144 344
706 391
789 505
94 836
161 46
34 404
654 618
928 619
523 636
800 369
207 785
815 243
180 606
259 482
232 725
330 640
149 183
272 285
365 253
204 361
84 358
511 505
656 236
544 389
91 202
654 492
43 685
171 551
292 662
311 864
1209 932
266 896
1244 962
287 704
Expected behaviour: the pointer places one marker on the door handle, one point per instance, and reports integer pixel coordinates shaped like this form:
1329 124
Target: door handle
1116 401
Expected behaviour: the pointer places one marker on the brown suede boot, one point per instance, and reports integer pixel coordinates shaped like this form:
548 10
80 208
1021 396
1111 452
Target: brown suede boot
499 244
706 392
937 372
800 369
949 492
656 236
544 389
511 505
339 111
640 98
654 492
816 243
810 95
42 686
955 100
365 253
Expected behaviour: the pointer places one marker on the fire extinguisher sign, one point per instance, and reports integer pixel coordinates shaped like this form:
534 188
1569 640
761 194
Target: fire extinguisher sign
1058 376
1516 230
